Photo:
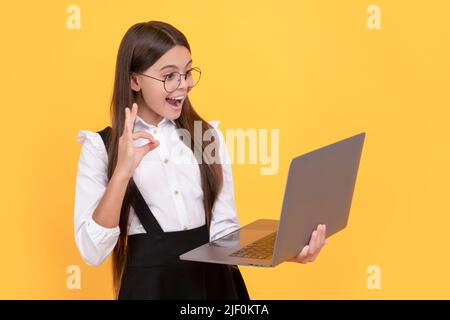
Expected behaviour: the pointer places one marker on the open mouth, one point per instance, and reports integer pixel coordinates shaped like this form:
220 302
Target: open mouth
175 101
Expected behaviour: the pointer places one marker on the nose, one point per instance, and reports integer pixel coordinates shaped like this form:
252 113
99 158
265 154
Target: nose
183 83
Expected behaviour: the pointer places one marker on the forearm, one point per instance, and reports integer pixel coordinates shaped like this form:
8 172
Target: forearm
107 213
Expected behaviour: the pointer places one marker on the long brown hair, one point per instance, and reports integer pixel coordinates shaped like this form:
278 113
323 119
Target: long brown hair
142 45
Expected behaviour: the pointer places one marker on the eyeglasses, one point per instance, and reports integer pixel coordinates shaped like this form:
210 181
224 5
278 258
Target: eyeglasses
173 80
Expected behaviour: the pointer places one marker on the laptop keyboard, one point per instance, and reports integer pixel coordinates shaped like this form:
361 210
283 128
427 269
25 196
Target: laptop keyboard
260 249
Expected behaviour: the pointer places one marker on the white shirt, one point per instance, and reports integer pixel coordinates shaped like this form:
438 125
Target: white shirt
168 178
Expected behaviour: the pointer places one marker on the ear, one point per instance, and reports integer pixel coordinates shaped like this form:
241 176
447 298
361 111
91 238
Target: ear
135 83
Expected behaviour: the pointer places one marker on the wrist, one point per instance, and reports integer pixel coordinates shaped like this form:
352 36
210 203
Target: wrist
120 177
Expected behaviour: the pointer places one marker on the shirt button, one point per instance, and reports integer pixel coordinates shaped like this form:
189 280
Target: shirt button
166 160
155 131
176 192
184 228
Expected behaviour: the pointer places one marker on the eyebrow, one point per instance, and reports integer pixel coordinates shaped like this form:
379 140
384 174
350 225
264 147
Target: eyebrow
173 66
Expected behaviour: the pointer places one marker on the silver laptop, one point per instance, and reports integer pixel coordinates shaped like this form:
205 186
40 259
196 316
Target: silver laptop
319 190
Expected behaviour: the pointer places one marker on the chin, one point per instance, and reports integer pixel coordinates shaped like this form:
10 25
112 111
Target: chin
174 116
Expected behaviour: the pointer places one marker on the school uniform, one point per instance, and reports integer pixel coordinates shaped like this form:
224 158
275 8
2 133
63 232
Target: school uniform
166 218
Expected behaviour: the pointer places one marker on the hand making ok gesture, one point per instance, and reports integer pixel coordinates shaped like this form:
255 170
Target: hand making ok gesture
129 156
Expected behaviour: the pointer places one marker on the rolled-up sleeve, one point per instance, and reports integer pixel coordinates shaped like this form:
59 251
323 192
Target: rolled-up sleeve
94 241
224 214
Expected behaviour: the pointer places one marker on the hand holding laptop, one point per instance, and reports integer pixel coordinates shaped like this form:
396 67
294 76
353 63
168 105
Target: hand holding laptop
319 191
310 252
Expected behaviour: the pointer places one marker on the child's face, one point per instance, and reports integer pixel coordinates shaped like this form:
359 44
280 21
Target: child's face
153 101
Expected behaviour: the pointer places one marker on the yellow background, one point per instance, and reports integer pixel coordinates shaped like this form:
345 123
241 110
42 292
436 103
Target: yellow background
310 68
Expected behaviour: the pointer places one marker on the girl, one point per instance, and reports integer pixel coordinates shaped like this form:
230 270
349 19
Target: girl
138 194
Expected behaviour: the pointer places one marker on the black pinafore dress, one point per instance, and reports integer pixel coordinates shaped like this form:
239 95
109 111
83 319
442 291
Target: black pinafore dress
153 269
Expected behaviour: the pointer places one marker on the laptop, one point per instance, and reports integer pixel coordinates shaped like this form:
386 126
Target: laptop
319 190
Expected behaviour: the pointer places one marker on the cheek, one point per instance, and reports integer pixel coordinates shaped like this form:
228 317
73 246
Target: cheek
155 97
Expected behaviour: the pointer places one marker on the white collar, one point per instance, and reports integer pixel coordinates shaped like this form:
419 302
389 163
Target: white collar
161 123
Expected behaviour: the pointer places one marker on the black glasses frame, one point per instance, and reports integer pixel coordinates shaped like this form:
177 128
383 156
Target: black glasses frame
179 78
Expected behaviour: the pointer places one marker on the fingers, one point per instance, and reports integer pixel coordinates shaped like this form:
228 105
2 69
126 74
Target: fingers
130 117
319 237
320 242
324 235
310 252
134 110
147 147
126 127
143 134
313 243
303 254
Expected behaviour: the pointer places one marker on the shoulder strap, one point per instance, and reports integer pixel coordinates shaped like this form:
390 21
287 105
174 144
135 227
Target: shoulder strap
141 208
